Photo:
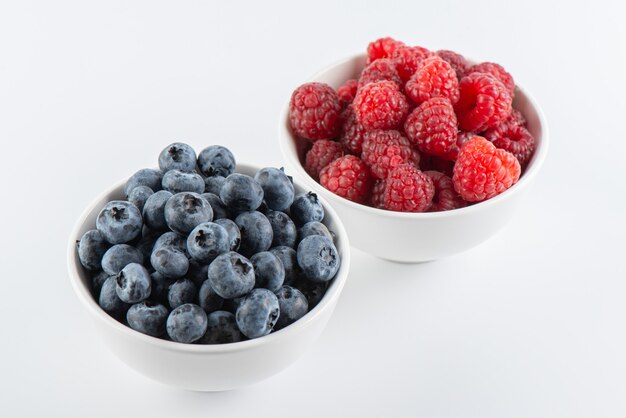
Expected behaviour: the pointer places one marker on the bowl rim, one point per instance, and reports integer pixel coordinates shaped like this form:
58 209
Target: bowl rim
285 136
327 302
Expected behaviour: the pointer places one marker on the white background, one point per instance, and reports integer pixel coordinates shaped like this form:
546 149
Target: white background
529 324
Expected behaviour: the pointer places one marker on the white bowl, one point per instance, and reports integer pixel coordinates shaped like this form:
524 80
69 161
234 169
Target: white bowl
207 367
418 237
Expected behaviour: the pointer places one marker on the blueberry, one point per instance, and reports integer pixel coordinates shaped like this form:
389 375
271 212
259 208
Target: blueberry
139 195
219 208
177 181
231 275
283 228
198 272
216 161
313 228
214 184
154 210
144 177
184 211
241 193
277 188
110 302
91 248
268 271
258 313
293 306
256 233
207 241
314 292
234 235
119 222
187 323
133 283
177 156
231 305
209 300
289 259
182 291
318 258
159 286
171 239
98 280
145 245
222 329
148 318
170 261
306 208
119 256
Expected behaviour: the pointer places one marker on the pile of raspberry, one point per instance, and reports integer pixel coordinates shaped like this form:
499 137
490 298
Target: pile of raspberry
418 131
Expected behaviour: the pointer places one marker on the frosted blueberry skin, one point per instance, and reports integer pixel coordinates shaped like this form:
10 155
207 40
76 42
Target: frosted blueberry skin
98 280
197 272
177 156
219 208
313 228
258 313
293 306
119 222
176 181
216 160
148 318
133 283
154 210
184 211
313 291
180 292
277 188
91 248
268 271
283 229
159 285
234 235
139 195
241 193
145 177
306 208
214 184
187 323
171 239
318 258
110 302
221 329
206 241
119 256
256 233
170 261
231 275
289 260
208 299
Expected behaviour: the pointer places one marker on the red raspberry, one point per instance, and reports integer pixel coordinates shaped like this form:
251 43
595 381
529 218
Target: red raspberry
315 112
516 118
382 48
380 70
408 59
461 138
484 102
320 155
347 91
483 171
380 105
384 150
433 163
347 177
457 61
513 138
432 126
497 71
352 132
378 194
408 190
446 198
434 78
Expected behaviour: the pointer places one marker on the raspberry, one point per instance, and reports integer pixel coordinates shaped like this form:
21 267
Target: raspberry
380 105
434 78
407 189
315 112
483 104
446 198
352 132
497 71
457 61
408 59
461 138
516 118
347 91
384 150
433 163
382 48
432 126
380 70
347 177
483 171
513 138
320 155
378 191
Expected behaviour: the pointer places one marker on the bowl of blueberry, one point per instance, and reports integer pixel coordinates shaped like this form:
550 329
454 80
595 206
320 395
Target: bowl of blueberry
424 154
206 274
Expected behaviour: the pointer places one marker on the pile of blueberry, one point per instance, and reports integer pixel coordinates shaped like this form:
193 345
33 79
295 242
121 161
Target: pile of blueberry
201 254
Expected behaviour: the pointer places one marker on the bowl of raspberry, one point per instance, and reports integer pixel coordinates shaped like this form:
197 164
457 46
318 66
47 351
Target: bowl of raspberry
424 154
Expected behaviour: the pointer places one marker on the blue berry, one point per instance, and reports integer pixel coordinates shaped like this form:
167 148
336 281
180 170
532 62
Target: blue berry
234 235
209 300
98 280
313 228
231 275
133 283
207 241
216 161
214 184
198 272
318 258
268 271
154 210
148 318
256 233
110 302
283 228
180 292
146 243
177 156
241 193
91 248
159 286
257 314
187 323
119 222
176 181
184 211
139 195
171 239
219 208
170 261
289 259
293 306
306 208
119 256
277 188
144 177
313 291
222 329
